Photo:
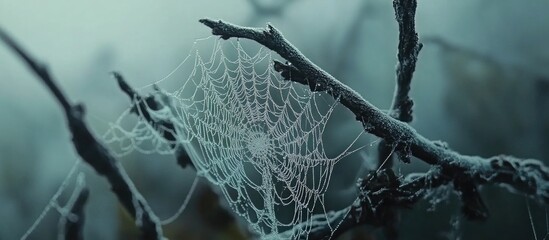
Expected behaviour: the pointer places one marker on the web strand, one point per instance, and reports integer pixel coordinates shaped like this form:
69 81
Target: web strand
257 137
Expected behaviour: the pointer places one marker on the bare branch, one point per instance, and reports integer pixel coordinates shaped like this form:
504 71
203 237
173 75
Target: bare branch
94 153
526 176
381 192
408 50
408 142
374 120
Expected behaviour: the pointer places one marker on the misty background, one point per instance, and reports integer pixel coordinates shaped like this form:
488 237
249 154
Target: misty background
481 85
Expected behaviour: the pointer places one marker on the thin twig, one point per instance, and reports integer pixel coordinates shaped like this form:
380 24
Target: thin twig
142 106
74 221
379 193
408 50
165 128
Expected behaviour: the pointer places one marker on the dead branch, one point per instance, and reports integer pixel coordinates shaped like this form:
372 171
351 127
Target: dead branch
408 50
408 141
93 152
527 176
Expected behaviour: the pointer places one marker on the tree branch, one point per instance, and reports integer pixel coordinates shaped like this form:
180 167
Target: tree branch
94 153
524 175
408 50
534 183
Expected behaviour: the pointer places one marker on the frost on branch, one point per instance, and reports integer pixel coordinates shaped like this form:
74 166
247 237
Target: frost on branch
261 149
471 170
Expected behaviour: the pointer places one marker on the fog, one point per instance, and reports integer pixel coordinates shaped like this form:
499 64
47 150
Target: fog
480 85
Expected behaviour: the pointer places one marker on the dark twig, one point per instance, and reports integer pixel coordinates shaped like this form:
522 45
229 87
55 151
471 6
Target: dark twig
408 50
167 129
379 193
524 175
94 153
73 223
141 107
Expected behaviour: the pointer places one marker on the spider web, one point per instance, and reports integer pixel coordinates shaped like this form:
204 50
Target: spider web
257 137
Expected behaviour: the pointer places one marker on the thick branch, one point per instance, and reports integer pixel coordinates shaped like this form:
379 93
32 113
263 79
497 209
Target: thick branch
94 153
409 142
374 120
